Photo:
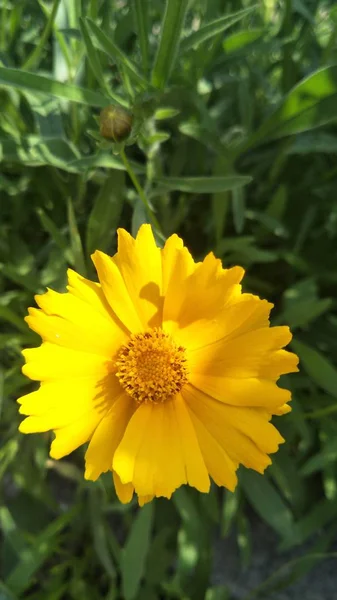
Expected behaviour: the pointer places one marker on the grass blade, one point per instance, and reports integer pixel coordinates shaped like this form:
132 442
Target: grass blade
92 56
169 41
115 53
135 552
310 104
213 28
203 185
23 80
140 10
320 370
34 58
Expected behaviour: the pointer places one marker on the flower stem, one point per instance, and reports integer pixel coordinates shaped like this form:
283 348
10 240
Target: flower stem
141 194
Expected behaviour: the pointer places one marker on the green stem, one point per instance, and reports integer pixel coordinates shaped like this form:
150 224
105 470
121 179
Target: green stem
3 25
35 56
141 193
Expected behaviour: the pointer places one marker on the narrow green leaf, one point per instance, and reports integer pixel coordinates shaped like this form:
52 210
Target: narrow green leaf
92 56
39 83
135 552
55 234
171 29
100 533
302 313
165 113
238 208
105 213
139 216
320 514
141 10
32 557
239 40
203 185
214 28
5 593
11 317
267 503
229 510
219 592
75 240
317 462
319 368
106 44
34 58
310 104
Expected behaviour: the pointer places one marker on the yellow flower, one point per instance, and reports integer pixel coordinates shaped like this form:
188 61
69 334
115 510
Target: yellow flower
165 367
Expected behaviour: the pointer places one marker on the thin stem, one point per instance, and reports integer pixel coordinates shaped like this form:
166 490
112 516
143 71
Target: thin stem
3 25
34 58
141 193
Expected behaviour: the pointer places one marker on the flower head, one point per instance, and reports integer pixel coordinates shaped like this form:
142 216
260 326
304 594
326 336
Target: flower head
165 367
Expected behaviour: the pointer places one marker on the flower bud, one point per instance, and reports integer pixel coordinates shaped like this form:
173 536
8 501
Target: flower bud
115 123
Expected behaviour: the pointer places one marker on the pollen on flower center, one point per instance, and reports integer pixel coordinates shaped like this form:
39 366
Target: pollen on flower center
151 367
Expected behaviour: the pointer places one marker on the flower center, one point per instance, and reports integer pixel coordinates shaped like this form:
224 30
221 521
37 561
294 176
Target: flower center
151 368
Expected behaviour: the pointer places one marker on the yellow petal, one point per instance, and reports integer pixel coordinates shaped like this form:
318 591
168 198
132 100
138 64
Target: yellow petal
91 293
115 291
282 410
200 296
67 439
239 315
124 491
107 436
139 261
68 321
249 391
239 357
144 500
178 264
160 451
220 467
244 433
50 361
278 363
56 404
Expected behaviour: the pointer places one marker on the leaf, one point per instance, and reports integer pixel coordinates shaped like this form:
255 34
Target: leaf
310 104
104 216
320 460
319 515
229 510
139 217
214 28
141 16
106 44
203 185
23 80
241 39
11 317
238 208
268 504
219 592
92 56
319 368
100 532
171 29
302 313
75 240
33 557
135 552
34 58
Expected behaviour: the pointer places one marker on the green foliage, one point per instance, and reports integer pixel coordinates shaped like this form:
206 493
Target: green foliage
233 147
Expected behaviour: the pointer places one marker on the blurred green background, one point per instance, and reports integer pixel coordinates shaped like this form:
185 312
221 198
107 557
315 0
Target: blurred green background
239 94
